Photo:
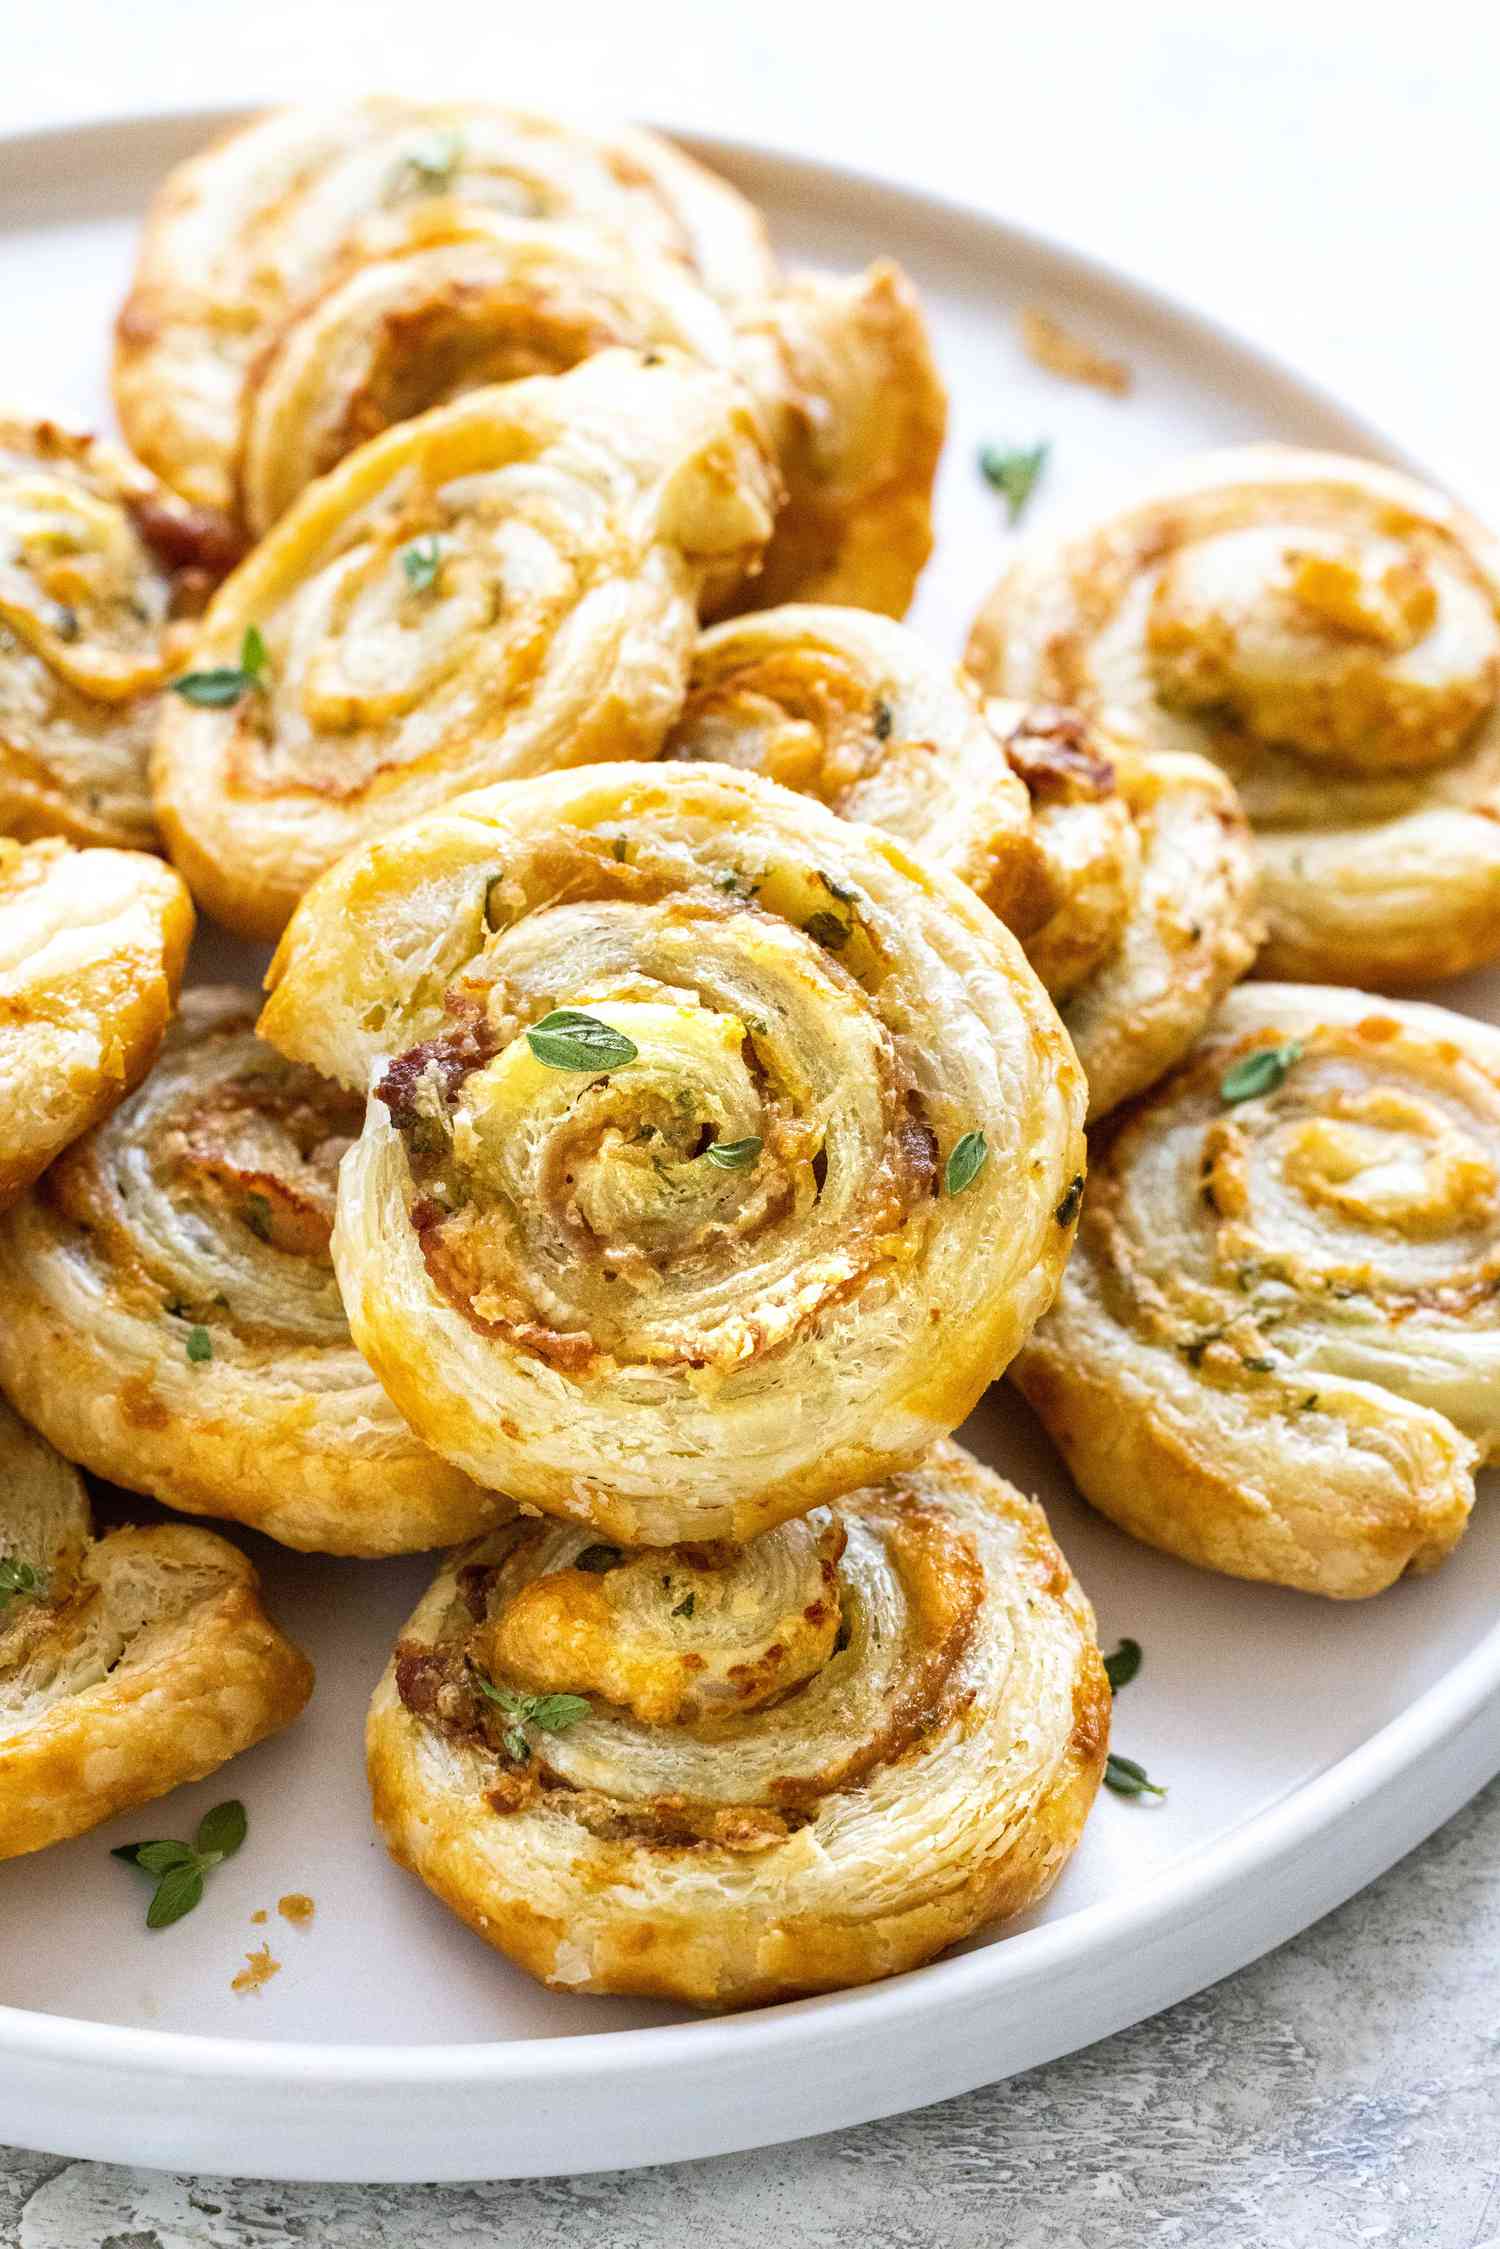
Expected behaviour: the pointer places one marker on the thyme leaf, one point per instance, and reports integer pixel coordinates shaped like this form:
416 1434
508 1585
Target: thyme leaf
223 685
422 562
569 1040
180 1868
1259 1073
733 1155
1013 471
1127 1778
1123 1665
18 1580
967 1161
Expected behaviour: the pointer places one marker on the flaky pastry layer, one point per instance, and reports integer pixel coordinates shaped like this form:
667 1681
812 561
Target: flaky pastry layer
734 1260
141 1660
1276 1350
928 1773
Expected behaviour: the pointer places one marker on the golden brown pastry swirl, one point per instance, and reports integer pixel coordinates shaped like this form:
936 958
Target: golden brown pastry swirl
463 298
841 372
838 1802
100 570
1276 1349
1150 909
326 273
128 1664
1128 876
266 220
856 711
845 374
169 1315
506 584
1328 632
92 946
723 1253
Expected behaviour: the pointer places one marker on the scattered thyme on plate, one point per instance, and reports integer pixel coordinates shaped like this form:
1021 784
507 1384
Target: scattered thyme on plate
1014 471
1123 1665
1126 1778
180 1869
1122 1774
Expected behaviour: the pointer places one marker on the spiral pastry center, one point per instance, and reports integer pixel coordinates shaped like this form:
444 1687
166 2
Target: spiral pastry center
216 1199
373 645
265 1158
381 645
1362 1179
679 1182
626 1147
1369 653
796 714
78 587
1384 1158
730 1688
676 1635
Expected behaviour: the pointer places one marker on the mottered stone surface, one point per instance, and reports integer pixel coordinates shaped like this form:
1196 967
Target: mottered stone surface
1343 2092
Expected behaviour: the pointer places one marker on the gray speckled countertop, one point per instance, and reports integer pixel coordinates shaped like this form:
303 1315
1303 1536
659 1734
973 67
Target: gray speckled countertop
1344 2091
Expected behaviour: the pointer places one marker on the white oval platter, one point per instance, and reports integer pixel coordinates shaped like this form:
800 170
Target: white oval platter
1306 1746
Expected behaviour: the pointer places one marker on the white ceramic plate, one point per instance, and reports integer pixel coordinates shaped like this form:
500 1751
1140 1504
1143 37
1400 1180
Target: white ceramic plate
1306 1746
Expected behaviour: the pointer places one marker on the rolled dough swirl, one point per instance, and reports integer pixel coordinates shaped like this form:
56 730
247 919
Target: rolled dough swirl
736 1259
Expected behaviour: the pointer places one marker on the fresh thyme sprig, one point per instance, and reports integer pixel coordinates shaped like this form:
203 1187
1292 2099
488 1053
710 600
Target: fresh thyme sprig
550 1714
1122 1774
179 1869
1261 1072
1013 470
966 1162
218 688
567 1039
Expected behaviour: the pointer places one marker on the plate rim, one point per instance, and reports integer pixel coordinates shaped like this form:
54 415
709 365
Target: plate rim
822 2027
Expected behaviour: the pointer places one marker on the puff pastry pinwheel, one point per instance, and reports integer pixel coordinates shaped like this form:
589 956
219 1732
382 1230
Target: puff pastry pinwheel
857 711
128 1664
101 570
731 1777
326 272
263 222
463 298
857 410
1328 631
92 946
503 585
719 1154
1148 905
841 370
1129 877
1276 1350
169 1316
